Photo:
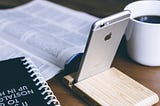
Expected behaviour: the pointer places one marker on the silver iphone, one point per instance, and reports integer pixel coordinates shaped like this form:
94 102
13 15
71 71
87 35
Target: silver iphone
102 44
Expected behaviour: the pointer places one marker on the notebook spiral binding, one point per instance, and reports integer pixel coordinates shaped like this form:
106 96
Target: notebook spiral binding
43 86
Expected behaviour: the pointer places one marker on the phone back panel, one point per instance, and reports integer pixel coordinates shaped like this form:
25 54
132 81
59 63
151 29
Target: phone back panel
102 44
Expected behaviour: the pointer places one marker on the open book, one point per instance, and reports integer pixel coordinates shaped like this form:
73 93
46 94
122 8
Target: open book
48 33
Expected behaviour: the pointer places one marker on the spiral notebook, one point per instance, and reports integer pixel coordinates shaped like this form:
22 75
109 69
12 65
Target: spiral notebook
21 85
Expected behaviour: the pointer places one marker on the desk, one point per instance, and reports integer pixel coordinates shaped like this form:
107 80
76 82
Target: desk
148 76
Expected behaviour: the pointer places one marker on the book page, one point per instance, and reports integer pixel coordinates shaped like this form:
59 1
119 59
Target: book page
47 30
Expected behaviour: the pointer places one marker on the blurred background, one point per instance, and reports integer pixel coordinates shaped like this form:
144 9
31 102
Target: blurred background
99 8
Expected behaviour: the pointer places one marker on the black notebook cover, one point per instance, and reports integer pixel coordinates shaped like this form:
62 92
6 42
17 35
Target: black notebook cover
21 86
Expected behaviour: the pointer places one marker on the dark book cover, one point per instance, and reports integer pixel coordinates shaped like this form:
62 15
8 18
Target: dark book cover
21 86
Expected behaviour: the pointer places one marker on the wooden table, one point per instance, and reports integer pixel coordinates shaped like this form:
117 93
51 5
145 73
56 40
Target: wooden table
148 76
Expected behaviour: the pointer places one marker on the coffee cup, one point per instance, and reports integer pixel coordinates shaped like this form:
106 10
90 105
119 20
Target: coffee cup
143 32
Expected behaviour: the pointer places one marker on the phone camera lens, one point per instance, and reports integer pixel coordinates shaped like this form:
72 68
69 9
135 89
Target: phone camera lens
101 25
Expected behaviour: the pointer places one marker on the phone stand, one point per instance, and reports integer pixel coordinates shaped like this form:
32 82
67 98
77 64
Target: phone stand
112 88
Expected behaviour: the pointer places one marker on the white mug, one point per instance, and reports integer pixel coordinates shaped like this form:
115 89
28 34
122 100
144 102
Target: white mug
143 39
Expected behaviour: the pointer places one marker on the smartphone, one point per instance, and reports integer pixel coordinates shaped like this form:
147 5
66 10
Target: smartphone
105 36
